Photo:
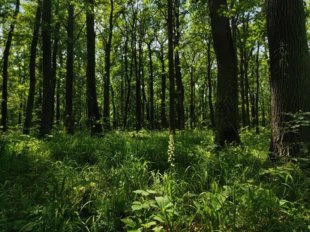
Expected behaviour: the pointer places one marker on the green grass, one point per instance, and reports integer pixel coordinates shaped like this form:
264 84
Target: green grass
124 182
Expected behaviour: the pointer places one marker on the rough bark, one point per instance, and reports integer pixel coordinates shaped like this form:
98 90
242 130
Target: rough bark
289 73
227 83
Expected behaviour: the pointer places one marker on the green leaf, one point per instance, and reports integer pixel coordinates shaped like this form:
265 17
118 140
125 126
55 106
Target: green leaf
28 227
158 228
151 191
149 224
162 202
136 207
129 222
145 206
159 218
142 192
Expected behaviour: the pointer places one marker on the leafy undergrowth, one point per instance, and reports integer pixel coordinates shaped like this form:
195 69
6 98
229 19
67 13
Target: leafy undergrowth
149 181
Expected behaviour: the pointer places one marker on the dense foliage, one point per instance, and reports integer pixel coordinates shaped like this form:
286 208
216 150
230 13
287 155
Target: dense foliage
124 182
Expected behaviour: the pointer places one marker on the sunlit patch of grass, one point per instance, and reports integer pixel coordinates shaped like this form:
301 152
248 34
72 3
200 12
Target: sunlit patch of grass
124 181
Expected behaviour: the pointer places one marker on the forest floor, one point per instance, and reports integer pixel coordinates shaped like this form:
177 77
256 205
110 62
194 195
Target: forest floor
149 181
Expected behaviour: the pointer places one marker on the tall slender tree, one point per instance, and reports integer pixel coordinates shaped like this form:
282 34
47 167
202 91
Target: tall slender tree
47 108
56 39
178 74
70 72
227 82
32 69
212 120
93 110
106 105
289 73
151 85
6 53
171 67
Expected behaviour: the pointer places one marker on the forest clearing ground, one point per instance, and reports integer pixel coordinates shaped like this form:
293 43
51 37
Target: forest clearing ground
124 182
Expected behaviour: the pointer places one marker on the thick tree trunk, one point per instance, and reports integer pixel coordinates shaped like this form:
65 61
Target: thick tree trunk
289 69
93 110
6 53
32 70
227 84
70 71
47 109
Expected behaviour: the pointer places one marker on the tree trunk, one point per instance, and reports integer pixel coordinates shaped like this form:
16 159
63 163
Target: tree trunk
114 108
32 70
246 88
54 61
93 111
210 88
70 71
163 89
142 88
257 90
47 109
178 74
242 89
138 90
289 70
171 68
6 53
227 83
128 80
58 96
145 103
106 104
151 87
192 96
